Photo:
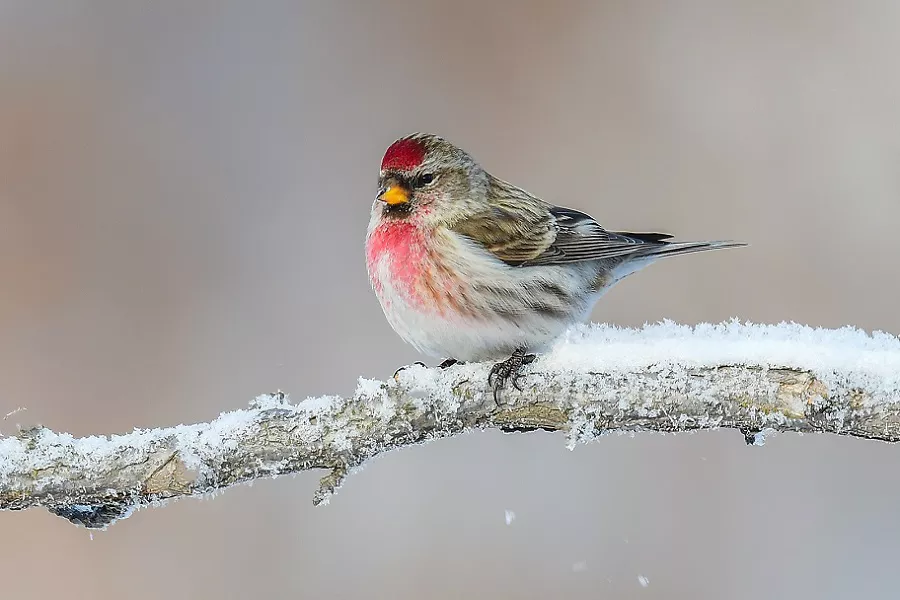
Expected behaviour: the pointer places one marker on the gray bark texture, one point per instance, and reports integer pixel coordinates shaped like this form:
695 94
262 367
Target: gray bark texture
94 481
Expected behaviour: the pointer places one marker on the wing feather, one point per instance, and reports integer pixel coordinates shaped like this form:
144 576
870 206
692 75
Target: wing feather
579 237
522 230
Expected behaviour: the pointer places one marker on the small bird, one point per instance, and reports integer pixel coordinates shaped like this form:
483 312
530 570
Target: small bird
468 267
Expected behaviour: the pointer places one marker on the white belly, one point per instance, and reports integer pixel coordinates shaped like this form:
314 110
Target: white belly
486 336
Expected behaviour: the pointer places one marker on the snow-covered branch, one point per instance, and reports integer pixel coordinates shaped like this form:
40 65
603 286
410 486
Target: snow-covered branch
598 379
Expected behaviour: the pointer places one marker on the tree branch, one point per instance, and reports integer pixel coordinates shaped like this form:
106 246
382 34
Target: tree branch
664 378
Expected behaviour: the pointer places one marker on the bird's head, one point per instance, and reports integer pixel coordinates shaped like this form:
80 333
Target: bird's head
426 177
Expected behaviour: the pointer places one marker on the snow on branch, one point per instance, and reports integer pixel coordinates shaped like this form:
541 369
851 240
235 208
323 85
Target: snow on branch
598 379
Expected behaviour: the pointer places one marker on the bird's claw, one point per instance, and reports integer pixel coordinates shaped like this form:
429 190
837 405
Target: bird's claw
515 381
448 362
404 367
509 369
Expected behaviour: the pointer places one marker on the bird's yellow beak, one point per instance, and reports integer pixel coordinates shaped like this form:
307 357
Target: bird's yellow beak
394 195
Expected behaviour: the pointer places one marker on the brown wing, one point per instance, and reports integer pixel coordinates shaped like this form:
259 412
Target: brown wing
514 239
522 230
579 237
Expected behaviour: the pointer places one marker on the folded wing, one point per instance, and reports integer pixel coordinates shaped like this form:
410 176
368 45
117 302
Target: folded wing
522 230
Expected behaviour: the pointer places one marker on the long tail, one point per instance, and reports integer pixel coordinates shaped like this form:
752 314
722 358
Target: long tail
656 246
663 249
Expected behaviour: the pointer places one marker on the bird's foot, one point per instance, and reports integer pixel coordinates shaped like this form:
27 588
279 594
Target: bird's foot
449 362
511 368
404 367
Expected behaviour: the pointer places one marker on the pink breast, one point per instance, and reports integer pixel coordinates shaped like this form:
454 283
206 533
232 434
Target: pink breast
413 269
403 245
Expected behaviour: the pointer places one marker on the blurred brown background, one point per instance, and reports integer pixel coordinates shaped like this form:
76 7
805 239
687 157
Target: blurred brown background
184 190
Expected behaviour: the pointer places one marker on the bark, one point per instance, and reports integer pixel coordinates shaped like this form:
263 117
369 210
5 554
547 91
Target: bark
96 480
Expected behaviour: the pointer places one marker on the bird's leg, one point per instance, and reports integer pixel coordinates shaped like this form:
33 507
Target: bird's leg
511 368
404 367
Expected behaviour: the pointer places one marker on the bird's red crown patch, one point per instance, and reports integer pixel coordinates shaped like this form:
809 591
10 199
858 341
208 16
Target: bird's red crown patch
403 155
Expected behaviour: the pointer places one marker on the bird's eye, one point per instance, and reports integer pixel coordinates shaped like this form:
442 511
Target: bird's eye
425 179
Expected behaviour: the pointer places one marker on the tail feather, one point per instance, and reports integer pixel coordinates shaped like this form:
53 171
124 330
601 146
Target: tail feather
677 248
653 252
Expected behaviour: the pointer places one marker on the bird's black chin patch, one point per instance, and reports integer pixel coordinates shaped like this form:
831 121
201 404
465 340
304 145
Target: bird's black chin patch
397 211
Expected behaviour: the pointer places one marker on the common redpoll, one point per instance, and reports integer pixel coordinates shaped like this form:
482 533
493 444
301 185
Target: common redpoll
469 267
